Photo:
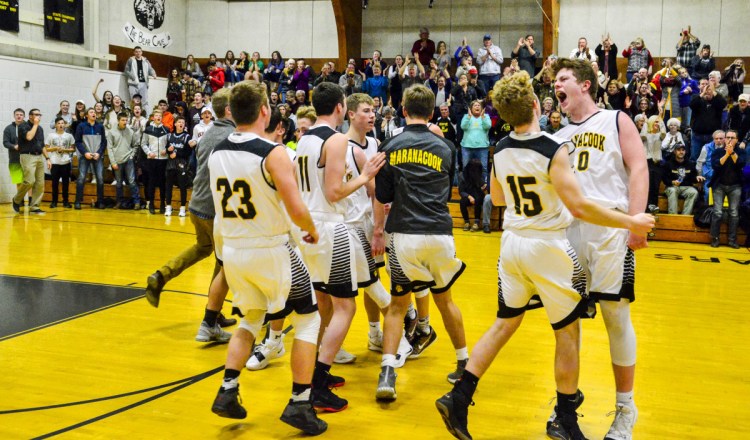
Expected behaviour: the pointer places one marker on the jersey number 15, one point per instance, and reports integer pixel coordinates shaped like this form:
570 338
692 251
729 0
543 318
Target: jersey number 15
523 199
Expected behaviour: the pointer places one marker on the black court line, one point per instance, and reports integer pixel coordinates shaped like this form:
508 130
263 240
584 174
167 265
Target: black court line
191 381
132 284
118 225
51 276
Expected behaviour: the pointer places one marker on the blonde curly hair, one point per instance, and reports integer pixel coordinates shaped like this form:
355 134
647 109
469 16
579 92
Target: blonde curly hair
513 97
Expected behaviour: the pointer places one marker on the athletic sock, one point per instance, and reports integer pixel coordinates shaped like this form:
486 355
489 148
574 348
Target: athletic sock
210 317
231 379
424 325
389 360
374 329
320 376
467 384
566 403
625 399
462 354
411 312
275 336
301 392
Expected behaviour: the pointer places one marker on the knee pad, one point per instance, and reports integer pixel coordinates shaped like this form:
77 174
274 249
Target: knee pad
253 322
422 293
378 294
622 342
306 327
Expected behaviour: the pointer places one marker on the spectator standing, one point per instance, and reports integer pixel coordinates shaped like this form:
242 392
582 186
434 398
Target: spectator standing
33 162
206 123
526 55
606 57
121 148
60 146
680 178
325 75
582 51
154 144
112 115
673 138
106 99
714 78
707 110
652 134
194 113
462 52
734 78
475 143
65 114
302 77
377 85
555 123
688 89
10 142
350 81
215 76
614 97
687 46
442 57
138 71
639 57
727 163
179 147
471 189
91 142
703 164
490 60
79 115
703 63
375 61
445 124
424 48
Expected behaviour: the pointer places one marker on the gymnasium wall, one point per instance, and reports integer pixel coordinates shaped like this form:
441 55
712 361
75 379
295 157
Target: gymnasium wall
392 26
721 24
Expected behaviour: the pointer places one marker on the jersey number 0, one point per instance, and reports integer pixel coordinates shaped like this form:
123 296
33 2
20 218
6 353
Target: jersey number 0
246 209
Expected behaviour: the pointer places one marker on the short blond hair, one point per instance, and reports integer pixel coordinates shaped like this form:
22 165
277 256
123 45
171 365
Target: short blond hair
307 112
356 99
514 98
419 102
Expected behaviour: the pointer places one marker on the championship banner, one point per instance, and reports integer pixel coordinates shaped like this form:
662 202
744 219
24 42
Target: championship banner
9 15
146 39
63 20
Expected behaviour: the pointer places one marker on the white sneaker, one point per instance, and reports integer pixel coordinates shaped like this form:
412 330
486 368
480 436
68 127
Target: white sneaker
403 352
207 334
375 343
168 211
182 211
264 353
344 357
622 426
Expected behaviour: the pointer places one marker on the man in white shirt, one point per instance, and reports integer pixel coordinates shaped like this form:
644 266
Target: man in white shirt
490 60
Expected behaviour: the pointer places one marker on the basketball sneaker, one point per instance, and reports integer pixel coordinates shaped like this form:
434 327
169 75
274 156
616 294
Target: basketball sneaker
460 367
335 381
386 384
410 325
403 352
421 341
375 343
622 426
168 211
344 357
212 334
265 353
154 285
229 404
302 416
324 400
553 416
454 409
565 427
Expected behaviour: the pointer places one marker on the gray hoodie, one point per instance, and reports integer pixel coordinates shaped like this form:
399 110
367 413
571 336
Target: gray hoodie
120 146
202 202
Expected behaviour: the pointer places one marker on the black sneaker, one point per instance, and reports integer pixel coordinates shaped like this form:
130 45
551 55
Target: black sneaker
16 206
53 205
410 325
151 209
460 367
36 211
420 341
225 322
163 209
565 427
154 285
714 242
77 206
302 416
553 416
486 229
228 404
324 400
335 381
733 245
67 205
454 409
386 384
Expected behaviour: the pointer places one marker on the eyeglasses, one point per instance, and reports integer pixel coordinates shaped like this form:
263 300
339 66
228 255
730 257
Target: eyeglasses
731 137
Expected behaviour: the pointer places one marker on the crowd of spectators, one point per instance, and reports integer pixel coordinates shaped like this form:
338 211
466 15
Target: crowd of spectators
155 147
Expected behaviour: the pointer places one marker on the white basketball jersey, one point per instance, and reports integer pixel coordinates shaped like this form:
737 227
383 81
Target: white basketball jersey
359 204
597 160
311 176
521 166
246 202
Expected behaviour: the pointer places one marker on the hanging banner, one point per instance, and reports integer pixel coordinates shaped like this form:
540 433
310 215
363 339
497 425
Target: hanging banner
63 20
9 15
146 39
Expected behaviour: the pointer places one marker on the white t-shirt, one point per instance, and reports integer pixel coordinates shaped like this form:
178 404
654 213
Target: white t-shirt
64 140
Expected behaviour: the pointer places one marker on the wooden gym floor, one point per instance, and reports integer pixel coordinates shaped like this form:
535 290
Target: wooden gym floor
83 355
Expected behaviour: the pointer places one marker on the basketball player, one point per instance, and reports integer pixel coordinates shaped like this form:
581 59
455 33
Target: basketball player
322 162
610 165
253 186
360 222
421 250
532 174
